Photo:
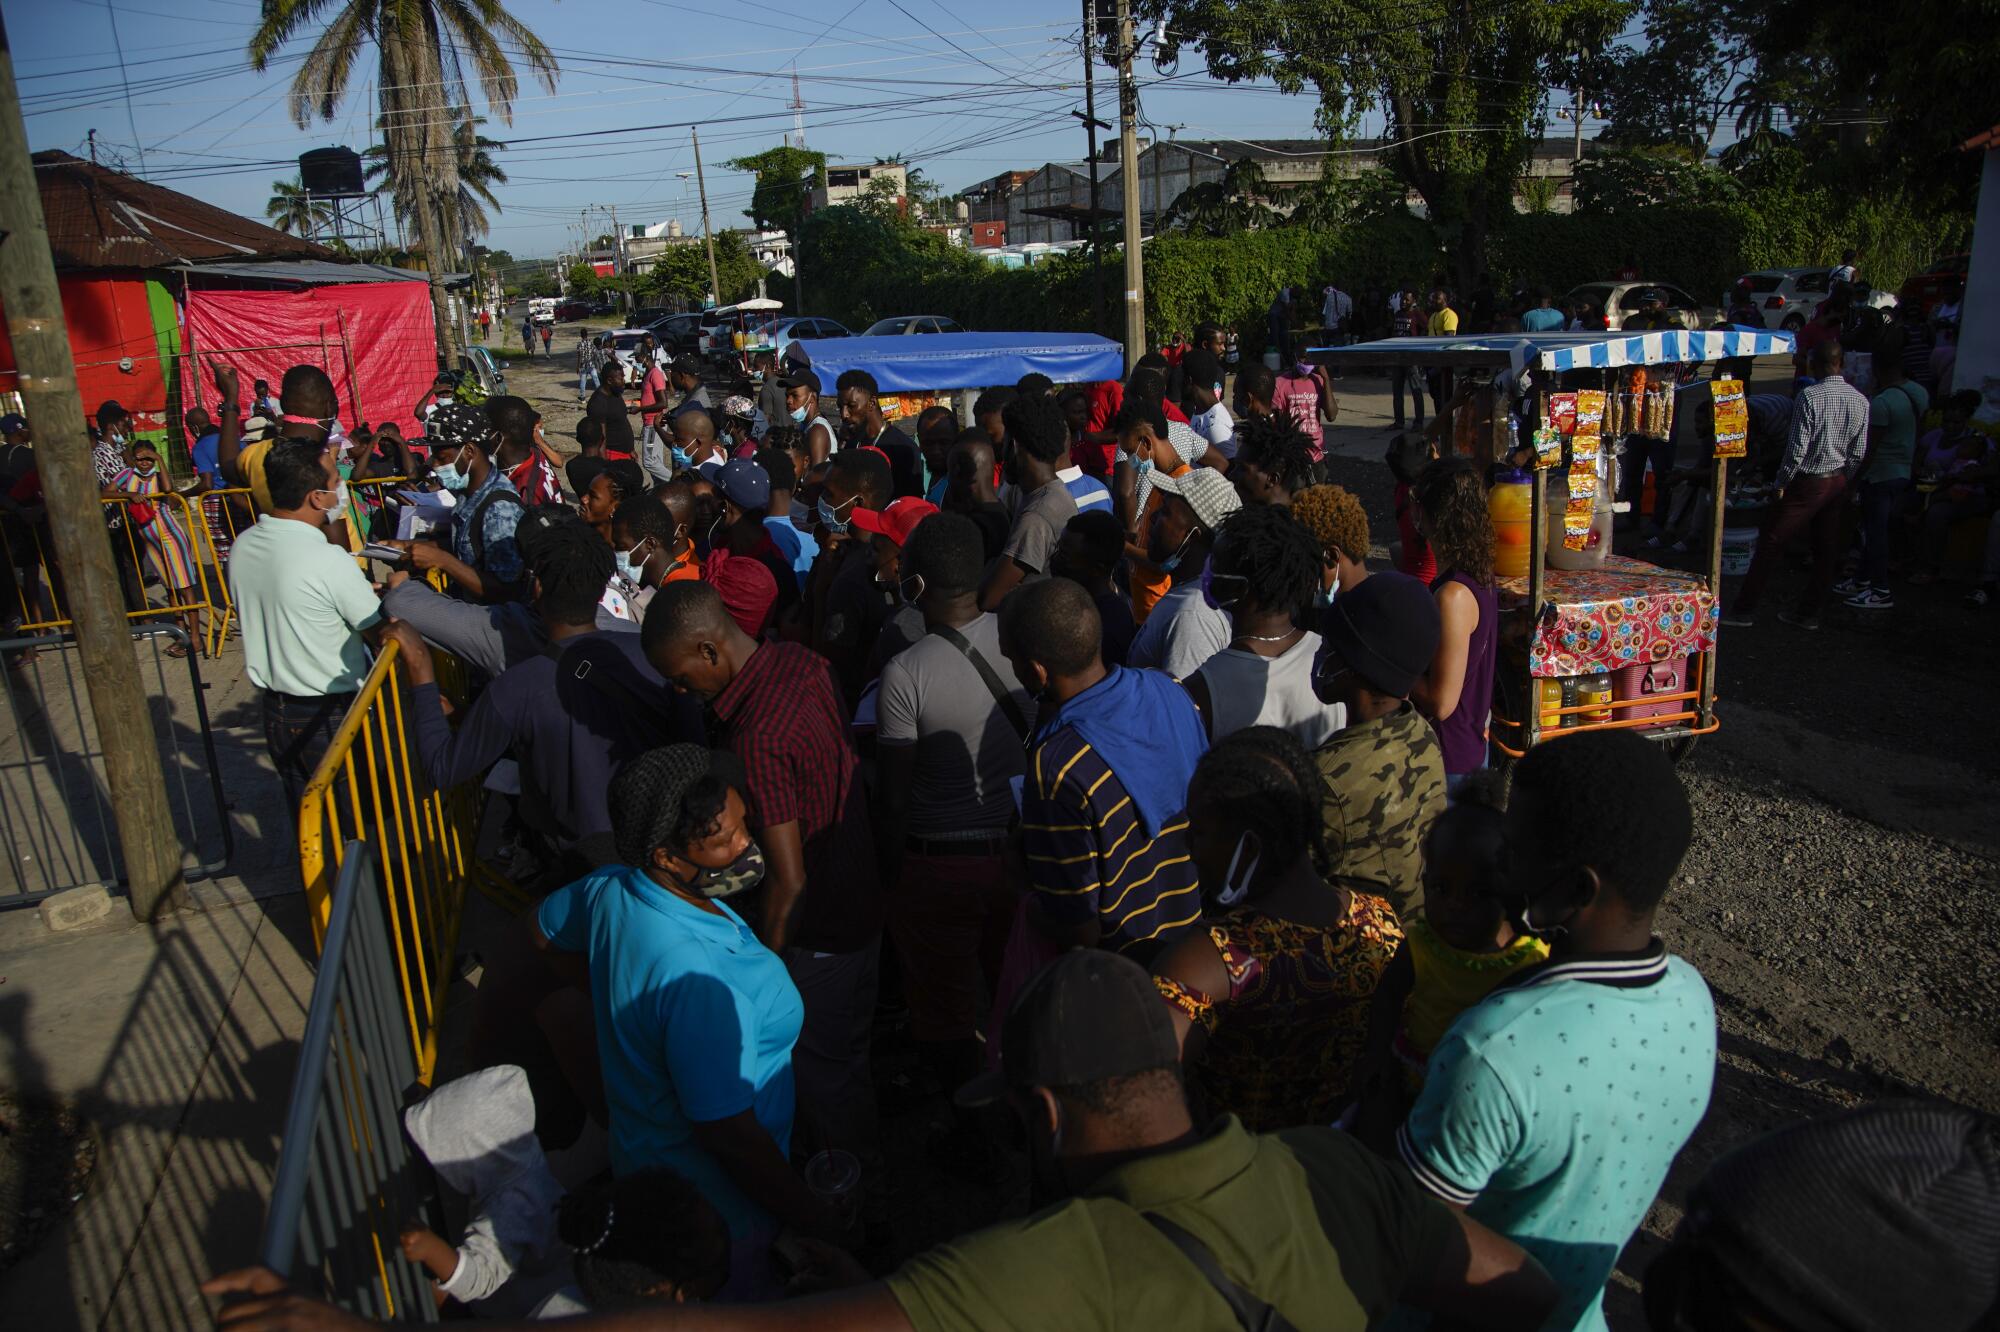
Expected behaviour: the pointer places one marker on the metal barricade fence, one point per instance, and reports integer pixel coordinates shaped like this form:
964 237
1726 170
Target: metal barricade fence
55 807
173 543
347 1181
370 787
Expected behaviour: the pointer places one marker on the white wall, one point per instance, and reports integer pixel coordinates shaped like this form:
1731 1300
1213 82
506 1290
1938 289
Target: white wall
1979 325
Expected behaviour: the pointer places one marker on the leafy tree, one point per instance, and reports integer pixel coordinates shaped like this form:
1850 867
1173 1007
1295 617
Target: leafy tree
421 48
1882 95
584 282
1616 180
465 214
1242 200
1677 87
1461 87
291 209
785 176
682 270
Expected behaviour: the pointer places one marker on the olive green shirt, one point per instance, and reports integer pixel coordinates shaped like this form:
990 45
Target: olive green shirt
1308 1220
1381 785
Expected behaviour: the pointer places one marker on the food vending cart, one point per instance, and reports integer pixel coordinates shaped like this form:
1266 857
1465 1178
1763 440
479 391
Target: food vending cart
1590 640
738 332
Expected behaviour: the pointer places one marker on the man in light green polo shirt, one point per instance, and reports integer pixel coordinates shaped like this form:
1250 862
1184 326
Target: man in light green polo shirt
304 608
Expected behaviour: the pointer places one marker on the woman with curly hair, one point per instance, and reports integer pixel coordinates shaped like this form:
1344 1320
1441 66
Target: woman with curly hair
1456 693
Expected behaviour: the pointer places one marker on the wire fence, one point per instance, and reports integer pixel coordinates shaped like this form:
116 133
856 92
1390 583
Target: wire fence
56 817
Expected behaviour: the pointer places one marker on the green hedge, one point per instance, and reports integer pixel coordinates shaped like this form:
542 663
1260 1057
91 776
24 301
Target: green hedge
1704 249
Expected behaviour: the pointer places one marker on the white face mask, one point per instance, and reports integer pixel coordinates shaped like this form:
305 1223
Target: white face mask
1236 887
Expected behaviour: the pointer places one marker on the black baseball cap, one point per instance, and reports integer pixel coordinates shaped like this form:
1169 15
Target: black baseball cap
1087 1016
804 379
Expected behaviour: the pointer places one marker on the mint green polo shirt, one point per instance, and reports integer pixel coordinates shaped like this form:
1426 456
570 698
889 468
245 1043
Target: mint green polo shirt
301 603
1553 1107
1308 1220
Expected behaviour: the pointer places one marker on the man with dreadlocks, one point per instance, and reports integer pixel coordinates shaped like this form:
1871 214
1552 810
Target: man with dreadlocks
567 736
1273 460
1263 574
1280 1052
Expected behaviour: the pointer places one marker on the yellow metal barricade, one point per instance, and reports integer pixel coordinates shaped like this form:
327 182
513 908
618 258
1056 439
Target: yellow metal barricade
184 567
226 514
365 499
370 786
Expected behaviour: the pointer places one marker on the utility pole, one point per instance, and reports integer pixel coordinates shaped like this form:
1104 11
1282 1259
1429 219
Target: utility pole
1576 114
47 374
1128 171
1091 124
708 237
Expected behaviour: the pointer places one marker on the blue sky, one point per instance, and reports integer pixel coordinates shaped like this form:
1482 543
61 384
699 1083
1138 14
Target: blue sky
964 90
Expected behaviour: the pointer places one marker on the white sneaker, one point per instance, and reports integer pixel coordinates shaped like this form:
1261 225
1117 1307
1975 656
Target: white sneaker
1874 598
1848 587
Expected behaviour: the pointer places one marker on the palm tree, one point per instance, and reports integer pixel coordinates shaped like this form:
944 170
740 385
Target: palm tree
419 47
292 210
466 213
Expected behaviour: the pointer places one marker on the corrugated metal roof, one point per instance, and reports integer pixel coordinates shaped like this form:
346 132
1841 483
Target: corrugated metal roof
100 218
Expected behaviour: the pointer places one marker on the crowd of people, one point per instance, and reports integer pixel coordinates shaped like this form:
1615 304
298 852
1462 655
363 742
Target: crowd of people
1086 733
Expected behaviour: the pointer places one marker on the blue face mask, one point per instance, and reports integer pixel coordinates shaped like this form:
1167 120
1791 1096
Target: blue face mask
681 459
1209 578
798 416
1142 465
452 477
1173 561
629 565
830 520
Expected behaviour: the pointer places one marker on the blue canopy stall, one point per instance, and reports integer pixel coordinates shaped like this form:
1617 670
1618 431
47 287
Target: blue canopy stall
1650 631
941 362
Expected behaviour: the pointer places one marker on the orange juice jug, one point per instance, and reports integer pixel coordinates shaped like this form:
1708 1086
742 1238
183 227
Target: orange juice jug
1507 505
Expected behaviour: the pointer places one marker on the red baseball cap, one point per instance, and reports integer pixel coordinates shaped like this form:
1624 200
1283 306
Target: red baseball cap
897 521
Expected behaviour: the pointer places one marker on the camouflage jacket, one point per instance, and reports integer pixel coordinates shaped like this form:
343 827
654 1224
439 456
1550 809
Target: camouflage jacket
1381 784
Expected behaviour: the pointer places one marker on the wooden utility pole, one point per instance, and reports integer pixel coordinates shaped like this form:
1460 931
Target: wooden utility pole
707 236
1128 172
1091 124
47 375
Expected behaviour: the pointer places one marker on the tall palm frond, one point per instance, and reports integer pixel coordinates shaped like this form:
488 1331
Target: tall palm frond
292 210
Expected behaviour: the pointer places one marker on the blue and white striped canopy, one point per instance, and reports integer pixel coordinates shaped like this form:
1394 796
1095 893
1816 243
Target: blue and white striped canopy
1579 351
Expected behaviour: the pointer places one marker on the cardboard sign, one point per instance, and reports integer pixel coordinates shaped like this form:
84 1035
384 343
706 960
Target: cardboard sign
1732 418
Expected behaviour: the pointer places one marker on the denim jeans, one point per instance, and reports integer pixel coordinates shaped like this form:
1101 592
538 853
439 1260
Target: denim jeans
1408 376
297 731
1879 502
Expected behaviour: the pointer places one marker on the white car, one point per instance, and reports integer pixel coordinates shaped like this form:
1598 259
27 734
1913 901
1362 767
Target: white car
1786 297
1617 301
624 344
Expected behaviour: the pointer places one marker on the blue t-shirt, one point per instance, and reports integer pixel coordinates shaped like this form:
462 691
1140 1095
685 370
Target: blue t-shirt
798 548
1552 1109
1539 320
204 456
696 1021
1086 490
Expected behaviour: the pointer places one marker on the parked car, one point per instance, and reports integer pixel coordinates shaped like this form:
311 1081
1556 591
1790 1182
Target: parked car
482 366
680 334
623 344
883 328
1786 297
1619 300
787 331
571 310
1922 291
648 315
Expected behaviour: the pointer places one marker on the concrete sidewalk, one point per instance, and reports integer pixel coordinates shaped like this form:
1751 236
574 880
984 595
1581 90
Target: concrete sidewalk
178 1042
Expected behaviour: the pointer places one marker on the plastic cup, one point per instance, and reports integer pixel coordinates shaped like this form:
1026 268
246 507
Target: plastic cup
834 1176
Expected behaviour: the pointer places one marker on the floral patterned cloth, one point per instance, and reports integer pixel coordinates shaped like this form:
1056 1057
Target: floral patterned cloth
1625 613
1284 1043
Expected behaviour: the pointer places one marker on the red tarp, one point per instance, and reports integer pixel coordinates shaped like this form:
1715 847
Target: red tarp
263 333
108 319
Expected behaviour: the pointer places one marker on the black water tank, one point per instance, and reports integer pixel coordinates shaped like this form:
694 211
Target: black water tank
331 172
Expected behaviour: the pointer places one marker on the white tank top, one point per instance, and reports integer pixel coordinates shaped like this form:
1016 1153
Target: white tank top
1245 689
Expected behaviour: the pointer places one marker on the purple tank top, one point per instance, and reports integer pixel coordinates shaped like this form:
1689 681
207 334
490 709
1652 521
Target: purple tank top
1462 735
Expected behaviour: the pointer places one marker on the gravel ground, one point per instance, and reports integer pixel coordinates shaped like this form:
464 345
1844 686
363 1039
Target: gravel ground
1840 895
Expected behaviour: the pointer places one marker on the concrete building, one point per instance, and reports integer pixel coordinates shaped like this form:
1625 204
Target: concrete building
849 184
1052 204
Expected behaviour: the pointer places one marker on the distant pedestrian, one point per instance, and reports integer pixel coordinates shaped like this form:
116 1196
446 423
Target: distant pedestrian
548 336
485 324
528 334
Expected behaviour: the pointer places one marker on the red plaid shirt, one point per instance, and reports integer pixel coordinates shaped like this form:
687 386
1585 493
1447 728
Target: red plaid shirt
782 716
